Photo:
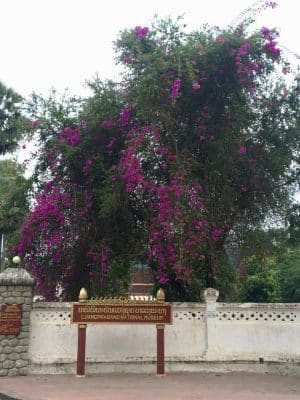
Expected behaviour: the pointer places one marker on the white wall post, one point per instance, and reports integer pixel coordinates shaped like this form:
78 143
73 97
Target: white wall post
210 297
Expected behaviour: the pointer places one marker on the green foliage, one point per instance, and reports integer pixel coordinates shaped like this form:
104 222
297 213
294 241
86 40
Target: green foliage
175 290
104 104
257 242
13 199
13 203
259 281
11 119
226 280
293 223
236 134
118 278
48 117
288 265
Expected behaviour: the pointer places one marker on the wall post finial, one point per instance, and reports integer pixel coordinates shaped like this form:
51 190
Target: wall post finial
160 295
83 296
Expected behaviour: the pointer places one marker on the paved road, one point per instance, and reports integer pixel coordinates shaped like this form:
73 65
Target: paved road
189 386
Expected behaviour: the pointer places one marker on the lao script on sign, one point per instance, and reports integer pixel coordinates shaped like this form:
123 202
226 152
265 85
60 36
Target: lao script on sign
10 319
152 313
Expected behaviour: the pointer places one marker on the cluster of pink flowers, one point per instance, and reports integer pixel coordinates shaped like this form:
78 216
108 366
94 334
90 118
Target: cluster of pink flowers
176 227
271 4
50 229
86 166
70 136
141 32
270 45
244 49
99 262
130 165
242 271
202 124
133 176
246 69
242 150
35 123
175 88
125 116
271 48
216 234
127 59
107 123
266 32
109 146
51 219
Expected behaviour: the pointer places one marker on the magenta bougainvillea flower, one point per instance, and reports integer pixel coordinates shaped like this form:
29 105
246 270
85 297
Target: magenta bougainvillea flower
70 136
216 234
242 150
127 59
125 116
85 168
141 32
175 88
107 123
265 32
271 48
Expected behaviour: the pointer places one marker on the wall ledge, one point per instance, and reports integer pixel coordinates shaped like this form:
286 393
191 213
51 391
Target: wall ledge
247 367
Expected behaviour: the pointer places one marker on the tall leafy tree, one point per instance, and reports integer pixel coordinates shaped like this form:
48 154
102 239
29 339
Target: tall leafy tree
213 144
13 203
198 143
80 230
11 119
289 270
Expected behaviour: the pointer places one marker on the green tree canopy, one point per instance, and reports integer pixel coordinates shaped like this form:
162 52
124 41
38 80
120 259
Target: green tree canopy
13 202
289 271
13 196
11 119
259 281
199 142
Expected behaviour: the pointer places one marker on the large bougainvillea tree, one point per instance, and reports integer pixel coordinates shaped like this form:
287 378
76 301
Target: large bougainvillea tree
79 232
199 139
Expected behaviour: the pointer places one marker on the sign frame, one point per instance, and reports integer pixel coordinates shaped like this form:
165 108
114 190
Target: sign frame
121 303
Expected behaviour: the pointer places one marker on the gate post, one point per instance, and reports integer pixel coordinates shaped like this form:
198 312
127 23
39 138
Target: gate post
160 340
210 297
80 371
16 295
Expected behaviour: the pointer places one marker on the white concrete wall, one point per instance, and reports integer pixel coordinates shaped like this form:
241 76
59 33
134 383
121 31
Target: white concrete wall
54 340
253 331
201 332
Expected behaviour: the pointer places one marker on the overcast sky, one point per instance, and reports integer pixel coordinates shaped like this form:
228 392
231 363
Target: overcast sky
62 43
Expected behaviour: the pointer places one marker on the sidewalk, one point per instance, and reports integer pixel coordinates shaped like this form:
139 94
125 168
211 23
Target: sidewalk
189 386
